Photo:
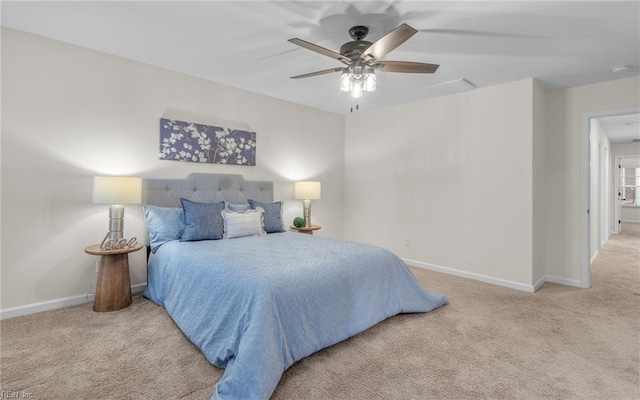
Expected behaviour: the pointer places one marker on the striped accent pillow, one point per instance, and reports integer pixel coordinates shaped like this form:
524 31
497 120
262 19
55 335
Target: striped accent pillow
243 223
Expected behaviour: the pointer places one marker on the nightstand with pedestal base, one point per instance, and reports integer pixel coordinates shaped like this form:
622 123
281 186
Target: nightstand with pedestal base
113 289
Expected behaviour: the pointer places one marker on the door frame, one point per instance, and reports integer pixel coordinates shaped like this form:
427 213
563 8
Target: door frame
586 186
607 195
618 208
618 212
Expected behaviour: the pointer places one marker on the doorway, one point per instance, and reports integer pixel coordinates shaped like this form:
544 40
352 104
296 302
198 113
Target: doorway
628 192
607 137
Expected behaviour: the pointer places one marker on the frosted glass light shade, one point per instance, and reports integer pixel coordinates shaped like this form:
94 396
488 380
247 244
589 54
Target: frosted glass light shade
307 190
369 80
356 88
117 190
345 80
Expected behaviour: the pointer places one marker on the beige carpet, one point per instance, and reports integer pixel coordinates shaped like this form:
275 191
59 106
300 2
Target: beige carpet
489 343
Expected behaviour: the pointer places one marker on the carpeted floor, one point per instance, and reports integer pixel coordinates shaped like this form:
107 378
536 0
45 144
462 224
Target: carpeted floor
488 343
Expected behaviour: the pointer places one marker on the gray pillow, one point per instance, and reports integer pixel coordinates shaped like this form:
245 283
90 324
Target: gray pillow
203 221
273 221
164 224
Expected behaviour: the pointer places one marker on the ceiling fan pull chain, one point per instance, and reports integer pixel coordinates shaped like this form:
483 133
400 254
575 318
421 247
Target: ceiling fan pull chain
357 104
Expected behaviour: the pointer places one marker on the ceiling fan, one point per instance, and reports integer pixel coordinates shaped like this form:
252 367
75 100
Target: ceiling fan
362 58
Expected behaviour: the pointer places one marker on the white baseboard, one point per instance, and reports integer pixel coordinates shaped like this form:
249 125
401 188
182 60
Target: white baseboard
540 282
495 281
58 303
564 281
594 257
631 221
471 275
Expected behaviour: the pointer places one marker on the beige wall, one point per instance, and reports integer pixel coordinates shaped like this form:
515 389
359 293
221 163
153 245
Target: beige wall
539 183
410 173
453 175
631 214
565 111
556 254
70 113
625 149
598 145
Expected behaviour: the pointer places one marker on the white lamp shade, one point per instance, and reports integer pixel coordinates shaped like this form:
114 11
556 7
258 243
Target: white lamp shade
307 190
117 190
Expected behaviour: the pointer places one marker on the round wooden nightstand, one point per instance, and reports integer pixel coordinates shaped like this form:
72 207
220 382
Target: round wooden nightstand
113 290
306 229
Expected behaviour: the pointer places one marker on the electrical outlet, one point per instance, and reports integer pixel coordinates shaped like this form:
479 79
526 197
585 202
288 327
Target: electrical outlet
407 242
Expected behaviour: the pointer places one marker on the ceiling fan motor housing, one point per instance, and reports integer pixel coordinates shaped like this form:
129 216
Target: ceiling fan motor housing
354 49
358 46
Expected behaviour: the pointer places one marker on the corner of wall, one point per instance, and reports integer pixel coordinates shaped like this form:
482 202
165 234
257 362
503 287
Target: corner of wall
539 181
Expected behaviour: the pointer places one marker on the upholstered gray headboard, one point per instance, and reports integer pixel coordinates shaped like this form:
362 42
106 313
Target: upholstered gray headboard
205 188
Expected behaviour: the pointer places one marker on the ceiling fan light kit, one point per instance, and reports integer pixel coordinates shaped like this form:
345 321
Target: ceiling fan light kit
362 58
358 80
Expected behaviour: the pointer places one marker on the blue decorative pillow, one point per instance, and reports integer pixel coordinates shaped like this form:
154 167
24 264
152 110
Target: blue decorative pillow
238 207
164 224
273 221
244 223
203 221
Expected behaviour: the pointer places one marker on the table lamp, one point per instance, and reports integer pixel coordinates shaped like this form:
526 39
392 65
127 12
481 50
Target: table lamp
307 191
116 191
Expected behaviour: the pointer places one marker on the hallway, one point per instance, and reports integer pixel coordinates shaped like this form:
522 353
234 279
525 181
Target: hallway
618 262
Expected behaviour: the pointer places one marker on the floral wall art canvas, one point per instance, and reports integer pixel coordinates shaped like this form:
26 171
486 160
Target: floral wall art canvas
189 141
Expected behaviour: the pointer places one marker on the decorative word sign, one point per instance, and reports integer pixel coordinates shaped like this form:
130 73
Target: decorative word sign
112 244
188 141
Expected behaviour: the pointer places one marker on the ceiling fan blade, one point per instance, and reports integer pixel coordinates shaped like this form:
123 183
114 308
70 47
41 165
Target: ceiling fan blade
406 66
321 50
388 42
323 72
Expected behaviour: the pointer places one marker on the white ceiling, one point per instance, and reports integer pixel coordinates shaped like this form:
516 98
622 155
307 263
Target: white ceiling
621 128
244 44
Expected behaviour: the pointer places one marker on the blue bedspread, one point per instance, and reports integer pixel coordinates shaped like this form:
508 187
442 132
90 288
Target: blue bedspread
256 305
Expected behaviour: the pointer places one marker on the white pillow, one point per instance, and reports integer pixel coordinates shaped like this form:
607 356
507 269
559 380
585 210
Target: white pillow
244 223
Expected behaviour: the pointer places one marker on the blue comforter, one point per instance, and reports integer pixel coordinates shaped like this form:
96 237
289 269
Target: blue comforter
256 305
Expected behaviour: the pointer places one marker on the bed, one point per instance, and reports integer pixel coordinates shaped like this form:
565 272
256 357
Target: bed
254 305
